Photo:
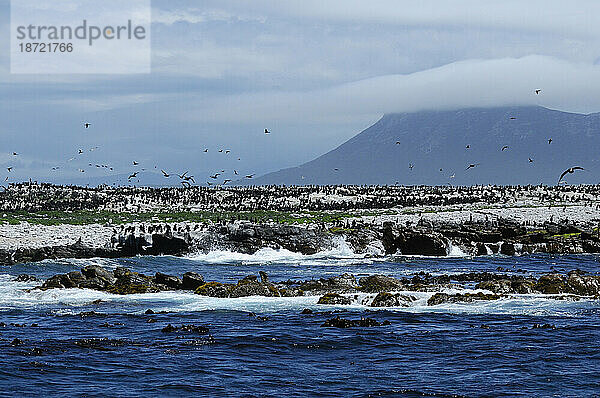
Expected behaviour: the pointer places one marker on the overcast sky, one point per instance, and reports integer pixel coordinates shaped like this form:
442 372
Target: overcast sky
313 72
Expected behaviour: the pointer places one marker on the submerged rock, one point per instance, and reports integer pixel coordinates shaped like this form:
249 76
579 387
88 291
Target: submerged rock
185 328
350 323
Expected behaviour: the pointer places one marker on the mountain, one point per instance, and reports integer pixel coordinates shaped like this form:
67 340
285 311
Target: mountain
434 140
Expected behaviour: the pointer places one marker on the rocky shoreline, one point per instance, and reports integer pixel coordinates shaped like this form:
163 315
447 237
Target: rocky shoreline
370 239
373 290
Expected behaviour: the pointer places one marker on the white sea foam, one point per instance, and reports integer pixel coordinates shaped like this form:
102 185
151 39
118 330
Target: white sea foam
455 251
341 251
16 295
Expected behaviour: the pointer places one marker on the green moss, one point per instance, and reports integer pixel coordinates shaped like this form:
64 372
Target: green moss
334 299
274 291
567 236
203 290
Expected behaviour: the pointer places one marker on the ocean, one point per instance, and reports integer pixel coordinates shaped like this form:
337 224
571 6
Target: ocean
76 342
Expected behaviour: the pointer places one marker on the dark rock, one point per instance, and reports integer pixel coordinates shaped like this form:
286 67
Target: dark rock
192 281
379 283
214 289
504 286
385 299
16 342
149 312
185 329
584 285
543 326
413 242
169 281
26 278
507 249
441 298
251 287
552 284
345 283
263 277
349 323
76 277
334 299
95 271
306 311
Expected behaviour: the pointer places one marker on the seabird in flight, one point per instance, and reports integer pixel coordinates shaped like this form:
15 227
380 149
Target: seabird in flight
569 171
267 131
87 125
505 147
472 165
165 173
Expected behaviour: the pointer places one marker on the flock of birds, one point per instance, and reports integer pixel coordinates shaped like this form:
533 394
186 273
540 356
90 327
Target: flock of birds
187 180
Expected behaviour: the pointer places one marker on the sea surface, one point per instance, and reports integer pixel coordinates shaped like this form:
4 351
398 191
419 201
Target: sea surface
75 342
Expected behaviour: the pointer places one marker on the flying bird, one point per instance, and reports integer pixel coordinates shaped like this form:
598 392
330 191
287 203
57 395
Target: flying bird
505 147
215 176
569 171
549 141
235 172
227 151
538 90
397 142
185 183
250 176
512 118
530 160
135 163
87 125
132 175
468 147
9 169
165 173
80 151
15 154
410 166
206 150
267 131
472 165
182 176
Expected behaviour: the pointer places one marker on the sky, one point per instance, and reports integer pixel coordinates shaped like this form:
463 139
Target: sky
314 73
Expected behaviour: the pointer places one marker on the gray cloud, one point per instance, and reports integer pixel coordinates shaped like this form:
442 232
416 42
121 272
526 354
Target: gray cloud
314 72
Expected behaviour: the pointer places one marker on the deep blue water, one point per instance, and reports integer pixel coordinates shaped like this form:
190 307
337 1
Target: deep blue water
265 347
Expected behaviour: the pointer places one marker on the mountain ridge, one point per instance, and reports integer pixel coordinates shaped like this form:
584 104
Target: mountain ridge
434 140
